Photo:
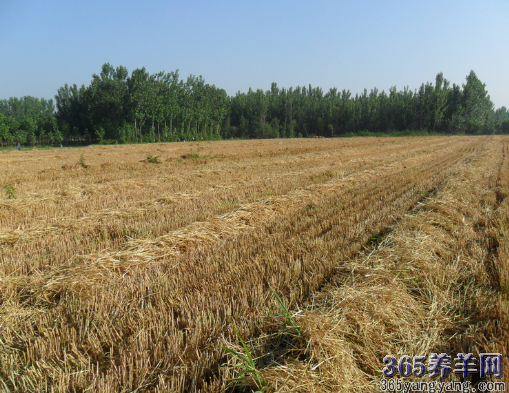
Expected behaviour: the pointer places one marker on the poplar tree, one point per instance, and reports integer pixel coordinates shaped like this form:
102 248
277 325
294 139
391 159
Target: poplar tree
477 104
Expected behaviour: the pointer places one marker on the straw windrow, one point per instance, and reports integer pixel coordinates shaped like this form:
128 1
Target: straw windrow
425 288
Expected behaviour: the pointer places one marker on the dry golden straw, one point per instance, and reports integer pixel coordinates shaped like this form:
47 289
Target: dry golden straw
124 275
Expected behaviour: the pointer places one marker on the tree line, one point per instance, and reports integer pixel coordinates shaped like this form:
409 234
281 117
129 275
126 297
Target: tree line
120 108
29 120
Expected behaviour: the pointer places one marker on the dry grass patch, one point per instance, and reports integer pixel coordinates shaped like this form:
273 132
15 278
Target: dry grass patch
142 267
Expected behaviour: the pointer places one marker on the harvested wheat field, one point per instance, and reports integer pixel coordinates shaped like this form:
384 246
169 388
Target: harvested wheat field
126 268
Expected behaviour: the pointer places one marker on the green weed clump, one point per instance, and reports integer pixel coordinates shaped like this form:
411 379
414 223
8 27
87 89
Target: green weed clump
10 191
82 162
247 364
286 314
153 159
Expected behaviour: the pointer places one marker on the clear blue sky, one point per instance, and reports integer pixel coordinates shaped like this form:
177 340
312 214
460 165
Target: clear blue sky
240 44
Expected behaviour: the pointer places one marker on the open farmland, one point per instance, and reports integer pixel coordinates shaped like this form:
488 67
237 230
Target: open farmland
120 275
